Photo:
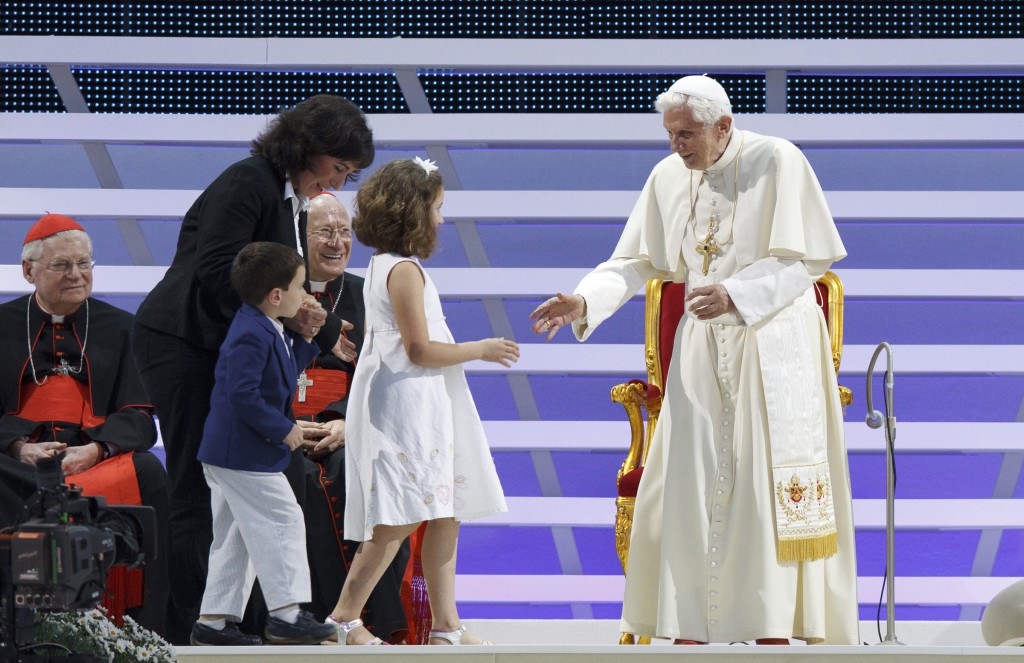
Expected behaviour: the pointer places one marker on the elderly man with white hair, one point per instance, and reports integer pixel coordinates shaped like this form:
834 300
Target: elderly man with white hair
68 386
743 525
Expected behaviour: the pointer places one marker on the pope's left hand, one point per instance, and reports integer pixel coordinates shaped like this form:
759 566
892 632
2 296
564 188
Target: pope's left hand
710 301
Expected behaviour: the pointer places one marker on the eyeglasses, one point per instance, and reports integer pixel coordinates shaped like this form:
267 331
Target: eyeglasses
328 234
65 266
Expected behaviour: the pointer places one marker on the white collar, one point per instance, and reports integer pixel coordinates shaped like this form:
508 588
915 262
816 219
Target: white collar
54 318
731 150
278 325
290 192
318 286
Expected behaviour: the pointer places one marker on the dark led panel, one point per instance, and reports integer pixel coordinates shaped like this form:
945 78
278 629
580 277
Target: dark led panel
230 92
470 19
905 94
28 89
451 92
519 19
805 20
298 18
905 20
687 20
147 19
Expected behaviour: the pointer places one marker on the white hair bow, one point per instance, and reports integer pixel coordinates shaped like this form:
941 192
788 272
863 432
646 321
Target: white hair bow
427 165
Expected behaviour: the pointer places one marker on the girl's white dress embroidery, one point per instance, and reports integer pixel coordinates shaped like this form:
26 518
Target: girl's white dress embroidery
415 447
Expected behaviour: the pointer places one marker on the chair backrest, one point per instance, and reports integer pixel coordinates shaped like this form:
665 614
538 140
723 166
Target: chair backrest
830 298
666 307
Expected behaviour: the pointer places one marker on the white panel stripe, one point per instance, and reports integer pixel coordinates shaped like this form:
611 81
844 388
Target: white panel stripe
868 514
469 282
755 55
913 436
627 359
931 283
610 130
536 206
609 589
613 436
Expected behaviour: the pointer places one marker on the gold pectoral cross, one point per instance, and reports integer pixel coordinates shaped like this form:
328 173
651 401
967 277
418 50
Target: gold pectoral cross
708 247
303 383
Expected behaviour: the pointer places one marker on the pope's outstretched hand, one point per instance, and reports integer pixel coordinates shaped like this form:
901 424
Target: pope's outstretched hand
557 312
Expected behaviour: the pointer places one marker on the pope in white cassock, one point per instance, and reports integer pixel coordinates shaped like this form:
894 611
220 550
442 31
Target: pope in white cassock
743 527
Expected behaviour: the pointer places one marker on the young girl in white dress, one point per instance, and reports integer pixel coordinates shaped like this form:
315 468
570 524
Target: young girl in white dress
415 447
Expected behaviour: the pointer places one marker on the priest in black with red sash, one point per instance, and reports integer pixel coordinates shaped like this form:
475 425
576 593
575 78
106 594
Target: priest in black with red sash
68 384
320 406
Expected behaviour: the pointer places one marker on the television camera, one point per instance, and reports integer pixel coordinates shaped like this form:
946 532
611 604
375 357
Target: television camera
57 556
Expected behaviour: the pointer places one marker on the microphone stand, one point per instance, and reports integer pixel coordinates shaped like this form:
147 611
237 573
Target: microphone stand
875 420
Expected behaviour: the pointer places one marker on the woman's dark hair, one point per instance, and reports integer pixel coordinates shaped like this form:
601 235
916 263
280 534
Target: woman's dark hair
262 266
323 124
393 209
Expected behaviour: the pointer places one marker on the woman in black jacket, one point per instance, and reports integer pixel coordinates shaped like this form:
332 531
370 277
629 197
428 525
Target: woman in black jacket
319 144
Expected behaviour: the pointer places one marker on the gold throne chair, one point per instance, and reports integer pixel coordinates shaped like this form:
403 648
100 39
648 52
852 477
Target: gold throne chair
664 310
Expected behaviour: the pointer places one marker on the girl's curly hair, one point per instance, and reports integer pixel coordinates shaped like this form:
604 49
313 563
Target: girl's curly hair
393 209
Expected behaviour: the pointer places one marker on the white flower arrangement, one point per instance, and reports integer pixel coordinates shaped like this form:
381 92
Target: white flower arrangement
93 633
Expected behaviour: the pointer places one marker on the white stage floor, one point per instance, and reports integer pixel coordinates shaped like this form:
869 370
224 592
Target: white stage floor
601 654
592 641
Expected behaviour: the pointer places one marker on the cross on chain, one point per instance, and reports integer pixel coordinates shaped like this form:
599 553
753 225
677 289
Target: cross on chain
303 383
708 247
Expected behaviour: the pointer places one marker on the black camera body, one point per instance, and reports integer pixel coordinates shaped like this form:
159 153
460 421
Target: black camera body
57 557
56 567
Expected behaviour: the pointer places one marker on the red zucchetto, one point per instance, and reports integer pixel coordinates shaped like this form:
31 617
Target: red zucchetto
51 224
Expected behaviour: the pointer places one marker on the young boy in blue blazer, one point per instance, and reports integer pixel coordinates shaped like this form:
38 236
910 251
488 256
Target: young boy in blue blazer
247 443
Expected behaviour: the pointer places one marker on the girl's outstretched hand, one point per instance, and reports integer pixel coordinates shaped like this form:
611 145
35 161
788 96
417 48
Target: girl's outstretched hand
499 351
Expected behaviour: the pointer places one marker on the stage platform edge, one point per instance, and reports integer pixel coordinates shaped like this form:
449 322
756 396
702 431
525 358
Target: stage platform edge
593 641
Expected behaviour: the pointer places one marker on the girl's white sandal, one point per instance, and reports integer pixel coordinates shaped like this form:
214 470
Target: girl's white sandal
342 630
453 637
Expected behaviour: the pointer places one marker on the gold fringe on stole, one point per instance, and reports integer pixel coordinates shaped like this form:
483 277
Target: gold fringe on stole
806 550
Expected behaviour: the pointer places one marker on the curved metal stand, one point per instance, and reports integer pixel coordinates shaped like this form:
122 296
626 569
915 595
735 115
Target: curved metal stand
890 541
875 420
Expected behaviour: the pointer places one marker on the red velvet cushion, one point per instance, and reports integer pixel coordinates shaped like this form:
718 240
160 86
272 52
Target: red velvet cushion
650 390
822 292
673 307
629 483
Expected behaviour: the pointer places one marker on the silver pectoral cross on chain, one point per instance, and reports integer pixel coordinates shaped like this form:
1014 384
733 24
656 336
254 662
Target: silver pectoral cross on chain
303 383
63 369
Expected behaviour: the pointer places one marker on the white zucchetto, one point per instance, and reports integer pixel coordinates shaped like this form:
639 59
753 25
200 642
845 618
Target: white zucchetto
701 87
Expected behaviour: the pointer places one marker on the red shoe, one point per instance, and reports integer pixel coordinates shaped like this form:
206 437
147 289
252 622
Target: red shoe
771 641
688 642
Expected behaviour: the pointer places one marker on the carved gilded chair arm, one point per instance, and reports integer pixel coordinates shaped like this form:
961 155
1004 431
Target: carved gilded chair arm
633 397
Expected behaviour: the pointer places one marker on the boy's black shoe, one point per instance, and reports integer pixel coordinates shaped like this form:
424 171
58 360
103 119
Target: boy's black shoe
305 631
229 636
